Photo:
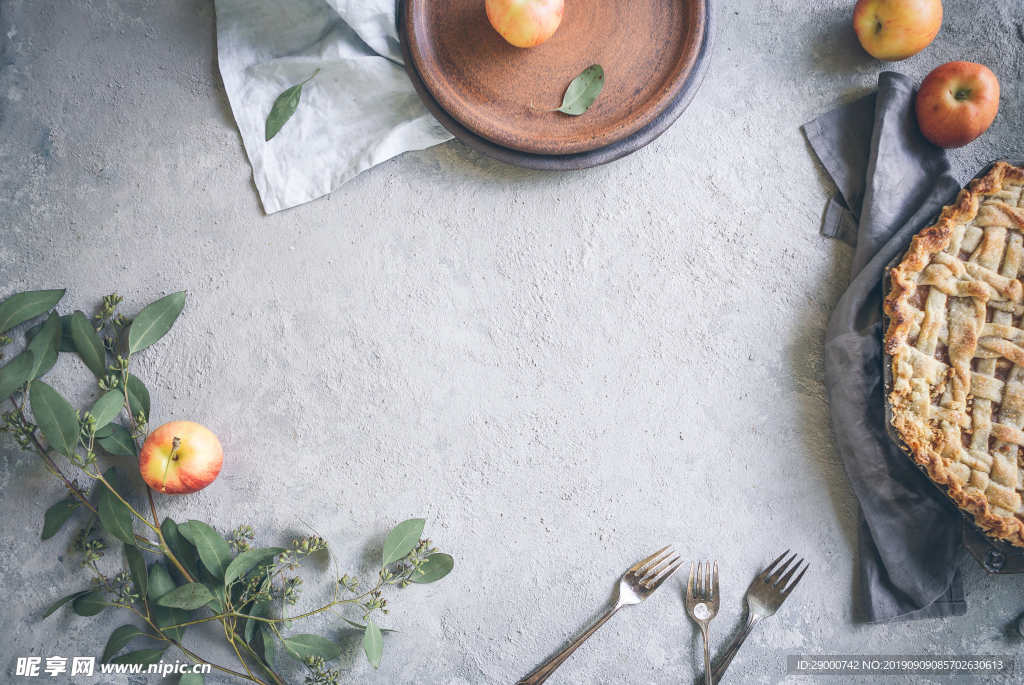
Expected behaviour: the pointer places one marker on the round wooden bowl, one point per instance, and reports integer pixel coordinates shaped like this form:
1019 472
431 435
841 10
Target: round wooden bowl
647 50
579 160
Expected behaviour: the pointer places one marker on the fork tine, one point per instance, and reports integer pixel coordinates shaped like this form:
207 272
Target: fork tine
701 581
689 585
656 582
792 585
764 576
774 579
655 570
714 588
644 562
785 579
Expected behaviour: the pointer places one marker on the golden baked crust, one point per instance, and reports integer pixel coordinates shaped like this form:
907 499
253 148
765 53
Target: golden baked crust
957 348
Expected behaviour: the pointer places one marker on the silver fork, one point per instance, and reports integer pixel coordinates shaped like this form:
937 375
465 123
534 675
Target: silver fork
702 606
636 585
766 594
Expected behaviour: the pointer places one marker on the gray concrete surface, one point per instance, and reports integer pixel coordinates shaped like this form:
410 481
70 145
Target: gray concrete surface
562 372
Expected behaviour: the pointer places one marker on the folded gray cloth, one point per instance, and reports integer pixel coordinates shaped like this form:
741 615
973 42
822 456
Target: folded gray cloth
892 183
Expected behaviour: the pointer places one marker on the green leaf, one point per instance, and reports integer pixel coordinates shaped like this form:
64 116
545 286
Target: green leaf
46 346
360 626
246 560
160 583
56 418
107 407
268 643
67 341
402 540
21 307
57 515
302 647
115 515
190 597
119 442
186 532
138 397
137 567
142 656
88 344
64 600
436 567
89 604
16 373
213 549
583 90
192 679
284 107
179 546
215 586
373 644
260 609
154 321
119 640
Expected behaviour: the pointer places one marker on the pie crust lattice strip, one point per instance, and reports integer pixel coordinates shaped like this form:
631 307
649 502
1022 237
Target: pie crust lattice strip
957 346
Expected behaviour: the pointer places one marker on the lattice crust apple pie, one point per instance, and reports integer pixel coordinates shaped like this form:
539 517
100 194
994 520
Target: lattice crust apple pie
957 347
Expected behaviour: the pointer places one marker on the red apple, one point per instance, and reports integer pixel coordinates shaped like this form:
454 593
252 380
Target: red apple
525 23
180 457
957 103
892 30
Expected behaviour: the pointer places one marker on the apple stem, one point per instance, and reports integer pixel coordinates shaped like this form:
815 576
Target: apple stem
175 444
962 94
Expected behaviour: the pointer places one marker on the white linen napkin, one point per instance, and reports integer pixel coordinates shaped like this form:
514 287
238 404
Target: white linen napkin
360 110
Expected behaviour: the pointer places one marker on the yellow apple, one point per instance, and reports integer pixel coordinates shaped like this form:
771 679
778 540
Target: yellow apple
180 457
892 30
525 23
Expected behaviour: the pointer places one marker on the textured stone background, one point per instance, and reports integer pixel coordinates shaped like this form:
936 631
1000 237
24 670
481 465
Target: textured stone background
562 372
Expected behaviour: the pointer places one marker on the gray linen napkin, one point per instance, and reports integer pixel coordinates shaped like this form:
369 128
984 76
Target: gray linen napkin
893 183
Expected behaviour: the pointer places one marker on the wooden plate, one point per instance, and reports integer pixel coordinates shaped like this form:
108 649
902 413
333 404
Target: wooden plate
647 50
579 160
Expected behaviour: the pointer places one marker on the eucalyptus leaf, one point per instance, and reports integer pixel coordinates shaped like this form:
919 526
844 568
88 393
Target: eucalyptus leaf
160 583
137 568
179 546
268 643
115 515
21 307
142 656
246 560
190 597
373 644
57 515
107 407
192 679
284 107
88 344
436 567
360 626
119 639
154 321
64 600
67 342
46 346
213 548
402 540
16 373
89 604
301 647
56 418
119 443
186 532
583 90
214 585
260 609
138 396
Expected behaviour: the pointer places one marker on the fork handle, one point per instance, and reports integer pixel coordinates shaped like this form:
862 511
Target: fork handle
549 666
723 664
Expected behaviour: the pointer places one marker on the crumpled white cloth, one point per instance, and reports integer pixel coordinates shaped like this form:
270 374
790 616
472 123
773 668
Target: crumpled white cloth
360 110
